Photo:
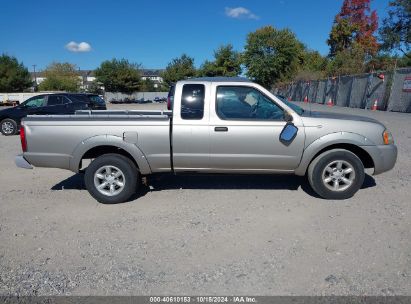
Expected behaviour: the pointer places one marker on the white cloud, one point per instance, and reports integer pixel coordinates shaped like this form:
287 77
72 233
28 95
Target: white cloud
73 46
240 13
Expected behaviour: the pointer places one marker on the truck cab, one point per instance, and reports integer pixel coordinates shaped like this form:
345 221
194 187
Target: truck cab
223 125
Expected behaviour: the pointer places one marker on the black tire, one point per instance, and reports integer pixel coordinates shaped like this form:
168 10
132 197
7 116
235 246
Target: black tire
8 127
130 177
318 175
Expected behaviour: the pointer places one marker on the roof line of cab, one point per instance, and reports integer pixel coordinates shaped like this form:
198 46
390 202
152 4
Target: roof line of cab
217 79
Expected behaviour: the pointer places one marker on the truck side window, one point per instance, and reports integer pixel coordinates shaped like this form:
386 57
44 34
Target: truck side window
192 101
245 103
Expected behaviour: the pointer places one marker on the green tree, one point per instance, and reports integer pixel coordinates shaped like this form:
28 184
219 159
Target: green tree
61 77
179 69
119 76
227 62
272 55
350 61
95 87
395 32
163 87
147 85
342 36
207 69
405 61
14 76
313 66
314 61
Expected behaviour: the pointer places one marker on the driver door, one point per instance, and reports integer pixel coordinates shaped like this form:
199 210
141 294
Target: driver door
245 128
36 105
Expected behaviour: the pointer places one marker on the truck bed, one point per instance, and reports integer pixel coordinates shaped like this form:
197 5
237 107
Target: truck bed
143 133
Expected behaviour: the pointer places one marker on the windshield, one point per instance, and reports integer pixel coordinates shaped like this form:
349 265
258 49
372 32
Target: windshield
296 108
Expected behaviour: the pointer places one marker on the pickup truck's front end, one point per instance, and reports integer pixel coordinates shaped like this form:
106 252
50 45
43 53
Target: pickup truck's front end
323 130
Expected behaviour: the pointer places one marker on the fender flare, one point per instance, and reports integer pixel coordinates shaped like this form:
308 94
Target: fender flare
328 140
109 140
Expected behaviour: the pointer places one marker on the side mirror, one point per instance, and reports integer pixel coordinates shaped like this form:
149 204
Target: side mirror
288 117
288 134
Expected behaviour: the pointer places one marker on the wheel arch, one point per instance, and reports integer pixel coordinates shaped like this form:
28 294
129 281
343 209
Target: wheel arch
104 144
16 119
323 144
363 155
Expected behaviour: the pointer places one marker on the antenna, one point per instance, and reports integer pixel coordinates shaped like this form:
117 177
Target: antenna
309 101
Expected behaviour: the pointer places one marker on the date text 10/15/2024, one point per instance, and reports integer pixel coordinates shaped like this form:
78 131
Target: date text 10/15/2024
203 299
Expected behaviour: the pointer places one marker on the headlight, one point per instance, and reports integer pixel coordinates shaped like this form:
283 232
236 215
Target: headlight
387 137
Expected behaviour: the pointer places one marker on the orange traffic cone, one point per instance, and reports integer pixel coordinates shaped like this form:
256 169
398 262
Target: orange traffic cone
375 106
306 99
330 102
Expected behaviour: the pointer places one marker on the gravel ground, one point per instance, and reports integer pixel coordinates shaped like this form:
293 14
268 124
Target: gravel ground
258 235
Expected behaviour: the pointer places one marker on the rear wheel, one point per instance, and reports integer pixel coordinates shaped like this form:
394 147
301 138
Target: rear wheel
111 178
336 174
8 127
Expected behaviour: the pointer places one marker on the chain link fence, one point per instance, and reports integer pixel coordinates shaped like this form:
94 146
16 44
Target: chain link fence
400 94
387 91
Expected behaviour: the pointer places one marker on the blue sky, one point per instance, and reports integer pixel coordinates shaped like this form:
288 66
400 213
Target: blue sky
153 32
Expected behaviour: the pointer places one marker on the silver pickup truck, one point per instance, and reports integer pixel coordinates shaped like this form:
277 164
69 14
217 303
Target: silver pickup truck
216 125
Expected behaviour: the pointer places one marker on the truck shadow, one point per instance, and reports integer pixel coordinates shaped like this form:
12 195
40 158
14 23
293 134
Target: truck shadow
161 182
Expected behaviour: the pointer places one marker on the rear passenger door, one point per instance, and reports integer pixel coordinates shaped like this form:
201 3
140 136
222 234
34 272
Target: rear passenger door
57 104
79 102
190 133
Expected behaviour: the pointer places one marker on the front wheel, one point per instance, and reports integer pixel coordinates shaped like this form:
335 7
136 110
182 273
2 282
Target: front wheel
8 127
336 174
111 178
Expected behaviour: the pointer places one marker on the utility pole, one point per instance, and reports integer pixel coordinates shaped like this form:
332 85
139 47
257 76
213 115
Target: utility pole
34 71
35 79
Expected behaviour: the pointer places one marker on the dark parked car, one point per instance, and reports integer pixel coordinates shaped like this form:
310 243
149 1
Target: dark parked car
142 101
61 103
170 97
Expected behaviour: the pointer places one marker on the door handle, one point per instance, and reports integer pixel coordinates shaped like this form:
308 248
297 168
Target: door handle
220 129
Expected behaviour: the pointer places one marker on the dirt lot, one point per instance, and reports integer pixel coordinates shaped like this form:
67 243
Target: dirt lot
255 235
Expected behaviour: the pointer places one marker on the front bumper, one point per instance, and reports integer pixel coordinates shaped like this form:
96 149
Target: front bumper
21 162
384 157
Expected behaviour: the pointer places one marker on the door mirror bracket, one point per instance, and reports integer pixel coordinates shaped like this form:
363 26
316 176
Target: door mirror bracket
288 117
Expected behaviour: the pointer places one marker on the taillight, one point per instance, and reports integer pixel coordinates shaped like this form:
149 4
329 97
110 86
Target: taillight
23 139
168 103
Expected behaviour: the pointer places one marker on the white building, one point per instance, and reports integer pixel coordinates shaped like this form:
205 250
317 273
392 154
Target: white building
153 75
